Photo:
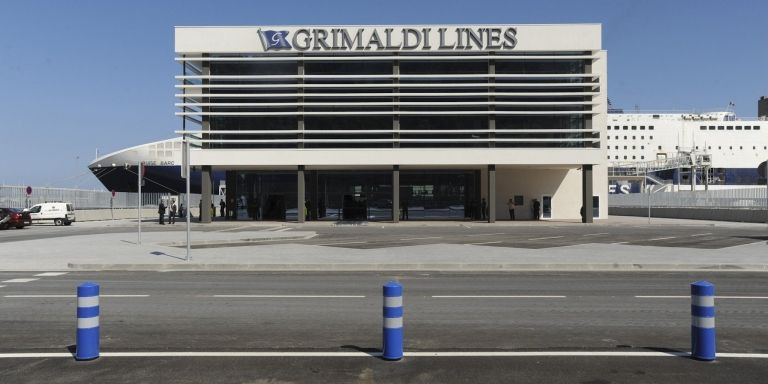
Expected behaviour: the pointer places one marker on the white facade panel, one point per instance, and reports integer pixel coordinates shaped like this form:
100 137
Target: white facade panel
572 37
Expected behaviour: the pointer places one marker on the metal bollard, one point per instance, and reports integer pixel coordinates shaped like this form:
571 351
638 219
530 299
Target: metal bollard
703 320
393 321
87 322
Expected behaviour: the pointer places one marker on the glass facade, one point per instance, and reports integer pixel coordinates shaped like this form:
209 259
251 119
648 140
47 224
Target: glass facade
354 195
405 103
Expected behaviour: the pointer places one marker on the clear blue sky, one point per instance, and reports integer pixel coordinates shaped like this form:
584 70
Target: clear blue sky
81 75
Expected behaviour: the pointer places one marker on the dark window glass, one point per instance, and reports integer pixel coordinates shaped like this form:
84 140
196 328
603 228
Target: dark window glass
254 68
539 66
445 67
348 67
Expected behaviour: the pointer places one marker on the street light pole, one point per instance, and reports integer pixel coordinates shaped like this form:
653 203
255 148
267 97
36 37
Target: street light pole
187 174
139 202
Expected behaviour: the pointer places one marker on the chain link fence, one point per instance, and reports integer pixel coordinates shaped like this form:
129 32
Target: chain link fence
742 198
16 197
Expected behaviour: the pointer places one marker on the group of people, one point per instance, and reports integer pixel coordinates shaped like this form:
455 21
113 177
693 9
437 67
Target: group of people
535 209
173 211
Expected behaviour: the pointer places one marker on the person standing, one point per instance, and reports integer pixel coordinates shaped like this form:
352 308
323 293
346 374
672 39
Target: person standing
172 212
536 209
511 206
483 209
161 213
222 208
213 211
181 210
200 211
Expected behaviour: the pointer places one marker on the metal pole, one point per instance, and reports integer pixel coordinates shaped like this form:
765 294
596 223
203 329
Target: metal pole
186 153
139 203
649 187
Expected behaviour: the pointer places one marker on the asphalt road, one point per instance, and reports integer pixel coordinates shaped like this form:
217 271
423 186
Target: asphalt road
190 311
534 236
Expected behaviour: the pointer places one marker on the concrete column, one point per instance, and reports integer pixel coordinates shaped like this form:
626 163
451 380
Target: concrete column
396 193
491 193
205 194
586 192
396 99
205 174
300 189
491 107
300 99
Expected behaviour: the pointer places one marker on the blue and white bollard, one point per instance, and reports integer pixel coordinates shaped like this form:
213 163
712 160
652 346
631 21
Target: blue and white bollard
87 321
393 321
703 320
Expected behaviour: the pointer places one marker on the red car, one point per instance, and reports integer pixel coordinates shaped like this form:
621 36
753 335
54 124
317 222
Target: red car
10 217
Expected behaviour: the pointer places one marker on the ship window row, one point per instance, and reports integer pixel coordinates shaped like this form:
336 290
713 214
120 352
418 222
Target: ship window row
754 147
625 147
729 127
625 157
633 137
630 127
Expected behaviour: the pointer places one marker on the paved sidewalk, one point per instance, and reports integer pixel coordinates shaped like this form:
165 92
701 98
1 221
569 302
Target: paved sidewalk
167 251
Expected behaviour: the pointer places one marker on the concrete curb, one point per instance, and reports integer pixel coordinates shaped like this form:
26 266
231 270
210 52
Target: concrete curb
212 243
435 267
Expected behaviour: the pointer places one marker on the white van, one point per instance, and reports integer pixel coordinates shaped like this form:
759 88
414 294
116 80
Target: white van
59 213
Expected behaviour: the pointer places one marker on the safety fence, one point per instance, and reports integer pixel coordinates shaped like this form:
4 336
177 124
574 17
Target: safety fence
744 198
16 197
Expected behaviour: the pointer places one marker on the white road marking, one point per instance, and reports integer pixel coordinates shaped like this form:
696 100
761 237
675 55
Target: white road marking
487 234
501 297
235 228
62 296
20 280
378 354
284 229
596 234
663 238
2 286
51 274
701 234
421 238
717 297
621 242
347 242
487 242
546 238
292 296
270 229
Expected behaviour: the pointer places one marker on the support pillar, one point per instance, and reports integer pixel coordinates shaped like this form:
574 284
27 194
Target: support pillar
395 193
301 201
491 193
586 193
205 174
205 194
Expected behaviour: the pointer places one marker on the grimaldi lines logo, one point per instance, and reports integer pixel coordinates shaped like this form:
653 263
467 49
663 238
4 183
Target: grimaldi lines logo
389 39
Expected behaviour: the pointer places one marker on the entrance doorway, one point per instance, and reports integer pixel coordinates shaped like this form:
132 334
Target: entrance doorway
355 207
546 207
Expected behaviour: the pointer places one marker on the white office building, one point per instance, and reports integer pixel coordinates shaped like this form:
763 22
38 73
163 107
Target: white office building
416 122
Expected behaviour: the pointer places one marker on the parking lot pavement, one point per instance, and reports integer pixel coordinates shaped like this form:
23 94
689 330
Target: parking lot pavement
459 328
447 246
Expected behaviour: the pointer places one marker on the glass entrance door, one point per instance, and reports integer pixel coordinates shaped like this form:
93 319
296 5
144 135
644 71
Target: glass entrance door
546 207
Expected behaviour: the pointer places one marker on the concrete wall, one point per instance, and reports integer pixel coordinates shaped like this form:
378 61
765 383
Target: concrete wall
564 185
718 214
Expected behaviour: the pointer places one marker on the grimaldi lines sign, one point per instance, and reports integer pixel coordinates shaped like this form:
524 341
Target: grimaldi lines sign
388 39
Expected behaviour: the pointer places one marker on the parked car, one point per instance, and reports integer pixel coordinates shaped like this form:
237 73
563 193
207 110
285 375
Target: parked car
10 218
59 213
26 218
